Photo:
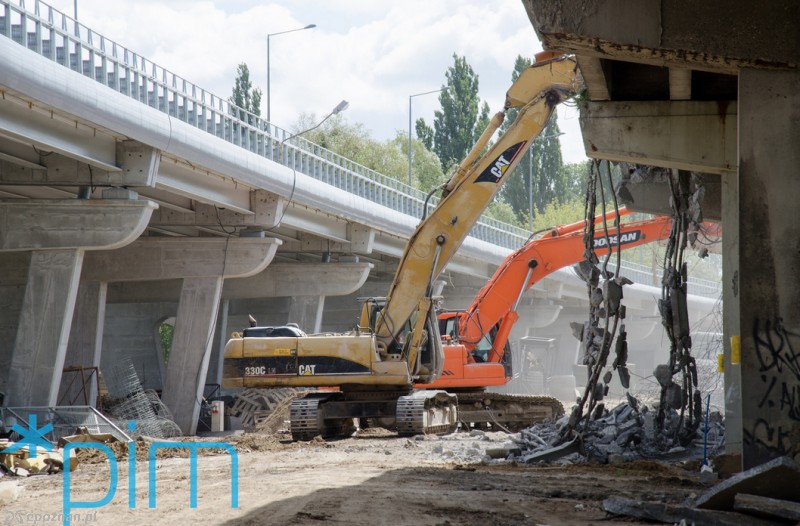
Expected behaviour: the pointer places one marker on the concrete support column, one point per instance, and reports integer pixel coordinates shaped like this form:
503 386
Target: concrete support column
188 360
731 327
40 348
769 264
85 344
306 311
215 376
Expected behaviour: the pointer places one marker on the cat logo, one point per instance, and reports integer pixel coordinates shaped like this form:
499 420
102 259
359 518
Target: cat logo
306 370
495 171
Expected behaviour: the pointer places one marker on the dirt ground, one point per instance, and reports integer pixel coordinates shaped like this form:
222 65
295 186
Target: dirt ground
373 478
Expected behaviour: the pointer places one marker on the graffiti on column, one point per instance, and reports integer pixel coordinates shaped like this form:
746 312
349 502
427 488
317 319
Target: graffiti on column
777 351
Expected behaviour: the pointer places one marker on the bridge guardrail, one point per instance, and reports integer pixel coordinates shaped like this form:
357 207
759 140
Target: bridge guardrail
60 38
66 41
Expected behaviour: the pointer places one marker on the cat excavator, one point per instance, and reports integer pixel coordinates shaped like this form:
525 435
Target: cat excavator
477 353
396 342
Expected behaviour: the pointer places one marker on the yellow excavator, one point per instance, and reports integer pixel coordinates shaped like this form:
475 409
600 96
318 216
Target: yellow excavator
396 342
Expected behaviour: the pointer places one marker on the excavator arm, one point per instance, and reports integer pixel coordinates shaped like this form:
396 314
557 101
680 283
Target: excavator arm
466 195
496 303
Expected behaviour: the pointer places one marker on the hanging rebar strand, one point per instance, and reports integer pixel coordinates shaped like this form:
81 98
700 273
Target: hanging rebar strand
587 270
595 340
621 347
610 295
673 308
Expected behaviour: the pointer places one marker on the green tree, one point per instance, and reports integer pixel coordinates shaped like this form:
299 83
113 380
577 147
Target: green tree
502 211
574 176
461 119
165 333
556 213
541 169
389 158
424 133
245 96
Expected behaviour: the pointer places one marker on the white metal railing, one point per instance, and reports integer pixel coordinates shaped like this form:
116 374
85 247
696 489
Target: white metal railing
60 38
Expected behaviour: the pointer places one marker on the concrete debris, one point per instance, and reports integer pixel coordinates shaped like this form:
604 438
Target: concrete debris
663 375
764 495
765 506
491 447
778 479
629 431
656 511
22 463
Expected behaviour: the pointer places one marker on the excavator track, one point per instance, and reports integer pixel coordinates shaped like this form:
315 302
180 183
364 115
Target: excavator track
427 412
307 419
513 412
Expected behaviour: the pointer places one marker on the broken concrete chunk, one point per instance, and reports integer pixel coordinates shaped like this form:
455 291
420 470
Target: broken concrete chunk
607 377
777 479
587 271
633 401
663 375
578 329
673 396
612 293
624 377
767 507
599 392
672 514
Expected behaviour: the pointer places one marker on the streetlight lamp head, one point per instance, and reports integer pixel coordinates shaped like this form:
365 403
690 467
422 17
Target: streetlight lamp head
310 26
340 107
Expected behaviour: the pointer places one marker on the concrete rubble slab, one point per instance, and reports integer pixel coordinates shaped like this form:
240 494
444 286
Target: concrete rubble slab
778 479
673 514
767 507
568 448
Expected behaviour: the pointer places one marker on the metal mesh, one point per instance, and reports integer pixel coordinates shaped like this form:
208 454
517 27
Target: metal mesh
132 402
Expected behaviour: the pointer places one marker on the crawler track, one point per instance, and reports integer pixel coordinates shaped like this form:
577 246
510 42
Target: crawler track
513 412
427 412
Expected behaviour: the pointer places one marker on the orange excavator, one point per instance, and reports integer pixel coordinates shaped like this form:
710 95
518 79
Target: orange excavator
477 352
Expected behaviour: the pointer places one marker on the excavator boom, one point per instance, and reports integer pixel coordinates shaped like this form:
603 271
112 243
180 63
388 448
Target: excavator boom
469 367
536 260
467 194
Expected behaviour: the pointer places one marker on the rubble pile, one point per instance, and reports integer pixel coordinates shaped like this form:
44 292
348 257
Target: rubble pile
627 432
23 461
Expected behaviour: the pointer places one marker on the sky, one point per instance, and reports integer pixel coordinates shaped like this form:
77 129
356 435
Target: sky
372 53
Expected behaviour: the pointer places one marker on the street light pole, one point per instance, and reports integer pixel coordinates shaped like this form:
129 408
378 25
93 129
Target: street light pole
409 127
309 26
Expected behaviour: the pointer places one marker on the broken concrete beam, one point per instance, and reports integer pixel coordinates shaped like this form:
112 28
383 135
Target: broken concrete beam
568 448
778 479
656 511
767 507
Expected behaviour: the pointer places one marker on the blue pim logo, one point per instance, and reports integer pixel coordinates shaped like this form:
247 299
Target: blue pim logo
33 437
193 448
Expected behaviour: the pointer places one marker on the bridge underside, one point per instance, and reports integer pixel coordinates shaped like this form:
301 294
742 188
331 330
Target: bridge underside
125 205
709 87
